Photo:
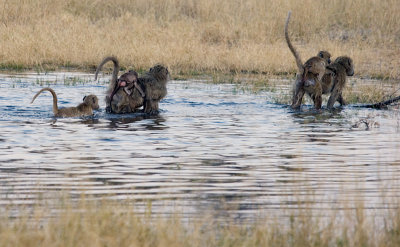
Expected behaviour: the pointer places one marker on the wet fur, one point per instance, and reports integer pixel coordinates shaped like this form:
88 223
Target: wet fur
86 108
154 83
310 74
121 101
334 81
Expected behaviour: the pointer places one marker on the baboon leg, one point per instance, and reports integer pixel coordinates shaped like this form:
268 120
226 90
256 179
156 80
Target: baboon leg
297 97
341 100
317 98
336 92
151 107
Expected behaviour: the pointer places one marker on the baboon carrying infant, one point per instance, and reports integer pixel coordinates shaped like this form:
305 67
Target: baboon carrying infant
129 92
86 108
119 101
318 76
309 74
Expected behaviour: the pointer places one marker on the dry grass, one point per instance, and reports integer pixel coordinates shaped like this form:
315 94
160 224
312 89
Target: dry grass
193 36
112 224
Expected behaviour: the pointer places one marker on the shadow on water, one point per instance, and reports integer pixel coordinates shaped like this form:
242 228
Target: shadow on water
212 148
126 121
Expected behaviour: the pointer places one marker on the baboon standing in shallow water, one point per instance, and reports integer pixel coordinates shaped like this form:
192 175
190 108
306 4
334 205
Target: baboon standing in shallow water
335 81
148 89
309 75
154 83
86 108
119 101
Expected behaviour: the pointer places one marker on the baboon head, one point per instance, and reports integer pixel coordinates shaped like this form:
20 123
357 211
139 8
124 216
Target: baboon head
92 101
325 55
127 78
347 63
160 72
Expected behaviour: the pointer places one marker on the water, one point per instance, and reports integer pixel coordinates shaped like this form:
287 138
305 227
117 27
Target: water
214 148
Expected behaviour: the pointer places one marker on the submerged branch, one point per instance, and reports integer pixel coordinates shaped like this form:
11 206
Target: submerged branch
382 104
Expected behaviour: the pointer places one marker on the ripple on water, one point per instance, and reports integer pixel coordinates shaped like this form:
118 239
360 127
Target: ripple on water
210 144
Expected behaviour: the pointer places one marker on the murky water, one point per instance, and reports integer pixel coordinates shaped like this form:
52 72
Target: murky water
213 148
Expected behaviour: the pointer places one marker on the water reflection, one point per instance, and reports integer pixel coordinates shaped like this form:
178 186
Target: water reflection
211 149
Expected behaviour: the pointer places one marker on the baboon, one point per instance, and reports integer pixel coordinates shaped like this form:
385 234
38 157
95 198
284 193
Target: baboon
308 79
86 108
119 101
334 80
154 83
146 91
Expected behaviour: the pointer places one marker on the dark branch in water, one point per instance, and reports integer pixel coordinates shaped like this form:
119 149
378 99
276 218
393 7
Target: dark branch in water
382 104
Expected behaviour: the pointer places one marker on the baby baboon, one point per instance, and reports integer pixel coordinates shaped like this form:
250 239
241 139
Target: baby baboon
309 75
86 108
325 55
334 80
119 101
154 83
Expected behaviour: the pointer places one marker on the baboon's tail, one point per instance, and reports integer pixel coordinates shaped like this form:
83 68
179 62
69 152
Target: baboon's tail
291 47
55 107
115 71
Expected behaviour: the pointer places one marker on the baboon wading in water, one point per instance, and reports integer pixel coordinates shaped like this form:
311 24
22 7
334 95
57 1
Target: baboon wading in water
146 91
308 79
335 81
86 108
124 94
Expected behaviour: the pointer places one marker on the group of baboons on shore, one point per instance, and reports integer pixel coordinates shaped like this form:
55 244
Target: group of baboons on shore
129 92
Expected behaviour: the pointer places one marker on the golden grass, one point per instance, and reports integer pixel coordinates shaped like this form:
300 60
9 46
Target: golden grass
112 224
193 36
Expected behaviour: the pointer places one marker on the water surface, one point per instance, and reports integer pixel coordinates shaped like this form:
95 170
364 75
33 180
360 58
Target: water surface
213 148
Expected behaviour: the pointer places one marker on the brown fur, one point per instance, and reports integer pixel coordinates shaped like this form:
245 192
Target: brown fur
154 83
119 101
86 108
334 80
309 75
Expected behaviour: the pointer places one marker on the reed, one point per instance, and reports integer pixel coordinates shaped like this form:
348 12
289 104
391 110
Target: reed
115 224
190 36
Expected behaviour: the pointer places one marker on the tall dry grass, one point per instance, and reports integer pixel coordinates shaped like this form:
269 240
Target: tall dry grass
111 224
192 36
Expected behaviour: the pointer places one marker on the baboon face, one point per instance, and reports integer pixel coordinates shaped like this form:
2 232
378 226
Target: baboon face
347 63
92 100
127 78
160 72
325 55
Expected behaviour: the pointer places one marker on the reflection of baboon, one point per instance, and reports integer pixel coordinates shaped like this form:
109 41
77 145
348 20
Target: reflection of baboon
119 101
86 108
309 75
155 84
334 81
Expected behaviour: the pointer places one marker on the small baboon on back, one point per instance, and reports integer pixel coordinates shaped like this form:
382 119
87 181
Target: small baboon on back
309 75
